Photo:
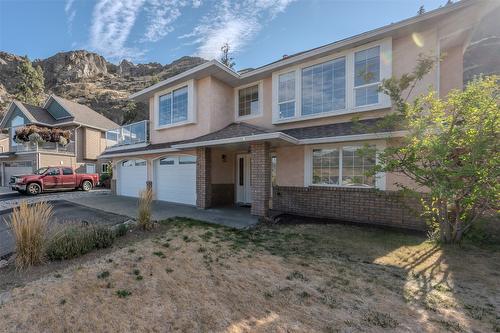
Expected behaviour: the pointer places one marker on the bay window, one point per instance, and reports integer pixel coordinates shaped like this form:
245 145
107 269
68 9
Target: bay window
345 82
323 87
173 107
343 166
366 76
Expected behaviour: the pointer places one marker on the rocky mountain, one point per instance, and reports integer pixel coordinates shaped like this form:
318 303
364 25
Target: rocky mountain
90 79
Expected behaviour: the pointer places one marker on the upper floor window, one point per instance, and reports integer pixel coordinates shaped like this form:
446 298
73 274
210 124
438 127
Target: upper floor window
367 76
173 107
286 95
344 82
248 101
323 87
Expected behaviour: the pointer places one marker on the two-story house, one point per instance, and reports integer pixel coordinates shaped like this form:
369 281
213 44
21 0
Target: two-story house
86 142
282 136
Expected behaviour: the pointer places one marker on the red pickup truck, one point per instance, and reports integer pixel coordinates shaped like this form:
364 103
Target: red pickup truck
53 178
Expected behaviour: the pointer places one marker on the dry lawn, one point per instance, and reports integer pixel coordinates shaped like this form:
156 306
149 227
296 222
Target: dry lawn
305 278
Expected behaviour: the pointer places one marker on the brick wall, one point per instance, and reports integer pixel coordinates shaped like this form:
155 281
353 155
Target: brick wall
349 204
203 178
260 174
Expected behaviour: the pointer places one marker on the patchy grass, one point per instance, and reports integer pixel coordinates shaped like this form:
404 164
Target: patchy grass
301 278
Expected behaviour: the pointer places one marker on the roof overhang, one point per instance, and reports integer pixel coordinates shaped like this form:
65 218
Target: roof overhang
275 136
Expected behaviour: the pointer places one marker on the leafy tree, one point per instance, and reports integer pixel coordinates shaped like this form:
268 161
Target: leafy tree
452 150
225 58
31 87
130 114
421 10
154 80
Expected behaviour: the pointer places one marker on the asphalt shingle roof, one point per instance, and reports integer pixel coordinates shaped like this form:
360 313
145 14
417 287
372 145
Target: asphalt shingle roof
236 130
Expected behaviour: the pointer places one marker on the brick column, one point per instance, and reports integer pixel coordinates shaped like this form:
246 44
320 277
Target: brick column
203 178
260 173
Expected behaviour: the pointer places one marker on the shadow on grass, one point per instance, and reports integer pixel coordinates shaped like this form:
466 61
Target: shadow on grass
456 287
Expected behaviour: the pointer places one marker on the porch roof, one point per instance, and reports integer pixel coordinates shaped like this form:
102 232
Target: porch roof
241 133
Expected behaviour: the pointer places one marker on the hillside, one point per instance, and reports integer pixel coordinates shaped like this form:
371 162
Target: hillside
88 78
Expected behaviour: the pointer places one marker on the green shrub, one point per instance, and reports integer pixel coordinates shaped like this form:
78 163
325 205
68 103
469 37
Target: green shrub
121 230
73 241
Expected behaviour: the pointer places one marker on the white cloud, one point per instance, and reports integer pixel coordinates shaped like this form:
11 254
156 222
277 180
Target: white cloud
233 22
70 13
112 22
161 15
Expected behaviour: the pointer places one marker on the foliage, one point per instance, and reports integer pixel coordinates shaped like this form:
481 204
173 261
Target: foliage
452 150
130 113
31 87
29 225
37 134
144 213
225 58
75 240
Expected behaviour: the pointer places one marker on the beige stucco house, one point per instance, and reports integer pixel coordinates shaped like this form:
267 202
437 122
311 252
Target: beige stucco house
281 136
87 131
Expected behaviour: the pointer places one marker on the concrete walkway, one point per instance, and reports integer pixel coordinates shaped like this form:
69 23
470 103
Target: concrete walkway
235 217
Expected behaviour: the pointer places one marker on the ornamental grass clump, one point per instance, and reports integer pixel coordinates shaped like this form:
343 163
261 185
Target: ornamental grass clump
144 212
30 226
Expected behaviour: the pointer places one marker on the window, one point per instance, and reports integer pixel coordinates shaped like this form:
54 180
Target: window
345 166
173 107
105 168
248 101
128 163
17 121
323 87
140 163
167 161
286 95
326 166
366 76
67 171
187 160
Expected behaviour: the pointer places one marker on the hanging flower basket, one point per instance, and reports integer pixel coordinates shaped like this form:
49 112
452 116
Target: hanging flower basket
39 135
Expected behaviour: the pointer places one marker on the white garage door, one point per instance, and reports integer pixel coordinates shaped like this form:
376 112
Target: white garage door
176 179
132 176
17 168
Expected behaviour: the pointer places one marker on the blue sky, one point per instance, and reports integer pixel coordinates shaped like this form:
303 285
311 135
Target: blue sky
259 31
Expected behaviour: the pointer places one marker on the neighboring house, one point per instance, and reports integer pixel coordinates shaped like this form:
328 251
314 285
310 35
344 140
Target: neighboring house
282 136
87 142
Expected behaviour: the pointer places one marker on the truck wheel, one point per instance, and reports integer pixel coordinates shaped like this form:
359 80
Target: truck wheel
33 189
86 185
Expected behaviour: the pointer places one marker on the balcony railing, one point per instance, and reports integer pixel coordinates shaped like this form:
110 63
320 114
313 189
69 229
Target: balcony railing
128 134
30 147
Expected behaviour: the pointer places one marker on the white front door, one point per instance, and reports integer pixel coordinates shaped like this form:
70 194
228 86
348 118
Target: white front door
243 188
175 179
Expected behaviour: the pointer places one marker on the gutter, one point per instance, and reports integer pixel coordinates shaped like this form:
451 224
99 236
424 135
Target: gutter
262 137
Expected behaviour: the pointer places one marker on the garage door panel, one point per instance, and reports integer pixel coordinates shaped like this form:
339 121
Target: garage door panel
132 177
17 169
175 181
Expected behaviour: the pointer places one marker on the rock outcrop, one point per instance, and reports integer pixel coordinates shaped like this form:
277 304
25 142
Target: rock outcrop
88 78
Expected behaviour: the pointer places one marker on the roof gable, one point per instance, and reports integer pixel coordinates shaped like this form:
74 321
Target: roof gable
16 109
56 110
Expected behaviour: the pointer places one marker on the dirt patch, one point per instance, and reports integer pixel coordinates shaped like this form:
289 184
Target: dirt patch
192 277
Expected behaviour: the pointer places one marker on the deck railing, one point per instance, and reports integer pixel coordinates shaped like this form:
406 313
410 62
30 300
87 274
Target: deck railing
30 147
128 134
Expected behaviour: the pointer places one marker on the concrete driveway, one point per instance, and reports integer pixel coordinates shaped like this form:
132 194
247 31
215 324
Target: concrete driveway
64 211
236 217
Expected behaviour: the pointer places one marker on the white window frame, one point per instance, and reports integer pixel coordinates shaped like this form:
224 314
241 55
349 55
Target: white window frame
350 107
191 107
380 178
261 101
